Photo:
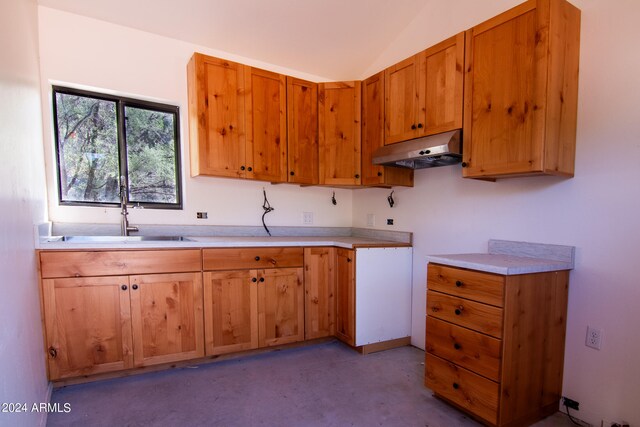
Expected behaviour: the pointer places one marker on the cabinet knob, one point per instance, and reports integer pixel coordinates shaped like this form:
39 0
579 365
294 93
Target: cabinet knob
457 346
257 258
249 168
357 176
413 126
254 280
379 173
465 164
419 125
134 287
292 173
53 352
459 311
456 386
348 259
459 283
242 168
262 279
123 287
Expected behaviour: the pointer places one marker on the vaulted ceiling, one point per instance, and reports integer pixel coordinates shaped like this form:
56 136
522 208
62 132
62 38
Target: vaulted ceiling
335 39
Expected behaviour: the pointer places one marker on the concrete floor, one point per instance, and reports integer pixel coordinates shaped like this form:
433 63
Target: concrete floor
320 385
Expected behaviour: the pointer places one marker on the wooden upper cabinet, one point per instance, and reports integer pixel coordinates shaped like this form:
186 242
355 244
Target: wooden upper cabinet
216 116
302 126
266 124
339 133
423 93
373 137
521 89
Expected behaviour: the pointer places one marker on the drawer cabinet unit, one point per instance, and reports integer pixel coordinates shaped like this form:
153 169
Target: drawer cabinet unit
101 316
521 92
495 344
253 297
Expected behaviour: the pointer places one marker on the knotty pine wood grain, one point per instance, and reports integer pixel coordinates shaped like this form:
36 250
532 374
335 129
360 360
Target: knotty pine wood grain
474 285
280 306
320 292
251 258
473 315
302 126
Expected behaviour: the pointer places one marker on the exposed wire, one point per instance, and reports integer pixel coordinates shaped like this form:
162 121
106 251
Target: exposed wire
390 200
333 199
267 208
570 417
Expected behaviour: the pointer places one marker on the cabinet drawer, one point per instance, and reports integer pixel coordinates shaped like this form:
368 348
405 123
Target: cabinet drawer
250 258
113 263
462 387
472 350
470 314
478 286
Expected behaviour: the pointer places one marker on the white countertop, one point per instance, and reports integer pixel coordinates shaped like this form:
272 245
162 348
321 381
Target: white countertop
222 242
510 258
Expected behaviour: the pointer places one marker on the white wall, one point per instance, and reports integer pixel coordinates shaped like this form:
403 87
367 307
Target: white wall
597 211
89 53
22 201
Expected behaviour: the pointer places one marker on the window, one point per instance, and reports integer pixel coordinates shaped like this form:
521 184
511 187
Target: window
102 139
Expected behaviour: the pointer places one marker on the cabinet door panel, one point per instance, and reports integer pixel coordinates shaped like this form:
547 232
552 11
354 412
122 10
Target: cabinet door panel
167 317
266 123
319 284
401 101
339 133
280 306
302 125
217 123
441 78
88 325
230 311
346 296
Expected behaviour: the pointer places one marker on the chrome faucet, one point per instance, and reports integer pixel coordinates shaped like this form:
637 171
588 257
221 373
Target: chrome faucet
125 228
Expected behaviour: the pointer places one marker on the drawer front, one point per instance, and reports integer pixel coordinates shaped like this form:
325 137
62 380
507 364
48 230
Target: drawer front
251 258
474 285
472 350
470 314
113 263
472 392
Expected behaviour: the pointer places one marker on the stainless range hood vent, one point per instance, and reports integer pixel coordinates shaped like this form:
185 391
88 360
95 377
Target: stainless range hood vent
436 150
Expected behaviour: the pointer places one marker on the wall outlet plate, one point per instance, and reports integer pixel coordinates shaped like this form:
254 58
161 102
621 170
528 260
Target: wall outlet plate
371 220
307 218
201 215
389 221
570 403
594 338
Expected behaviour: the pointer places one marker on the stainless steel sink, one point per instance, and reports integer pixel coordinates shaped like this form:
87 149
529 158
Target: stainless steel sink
118 239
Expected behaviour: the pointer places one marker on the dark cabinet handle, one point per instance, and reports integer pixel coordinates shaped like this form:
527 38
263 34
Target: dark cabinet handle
53 352
249 168
457 346
262 279
254 280
257 258
123 287
458 311
413 126
422 153
459 283
419 125
134 287
357 176
456 386
465 164
379 173
242 168
292 173
348 259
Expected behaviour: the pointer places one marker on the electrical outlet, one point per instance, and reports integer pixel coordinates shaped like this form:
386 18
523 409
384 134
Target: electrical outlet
371 220
570 403
307 218
201 215
607 423
389 221
594 338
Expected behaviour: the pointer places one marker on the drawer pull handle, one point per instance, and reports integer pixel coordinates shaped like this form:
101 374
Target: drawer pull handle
456 386
458 311
53 352
457 346
257 258
459 283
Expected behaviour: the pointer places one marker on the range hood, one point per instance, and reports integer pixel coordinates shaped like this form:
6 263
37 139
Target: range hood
436 150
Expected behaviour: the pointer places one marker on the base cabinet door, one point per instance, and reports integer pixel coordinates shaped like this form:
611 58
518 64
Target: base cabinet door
280 306
88 325
346 296
320 292
230 311
166 314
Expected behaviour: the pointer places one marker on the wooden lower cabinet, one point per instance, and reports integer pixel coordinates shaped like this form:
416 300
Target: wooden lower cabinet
346 296
320 292
495 344
280 306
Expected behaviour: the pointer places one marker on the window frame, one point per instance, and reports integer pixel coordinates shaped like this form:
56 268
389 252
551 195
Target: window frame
121 137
